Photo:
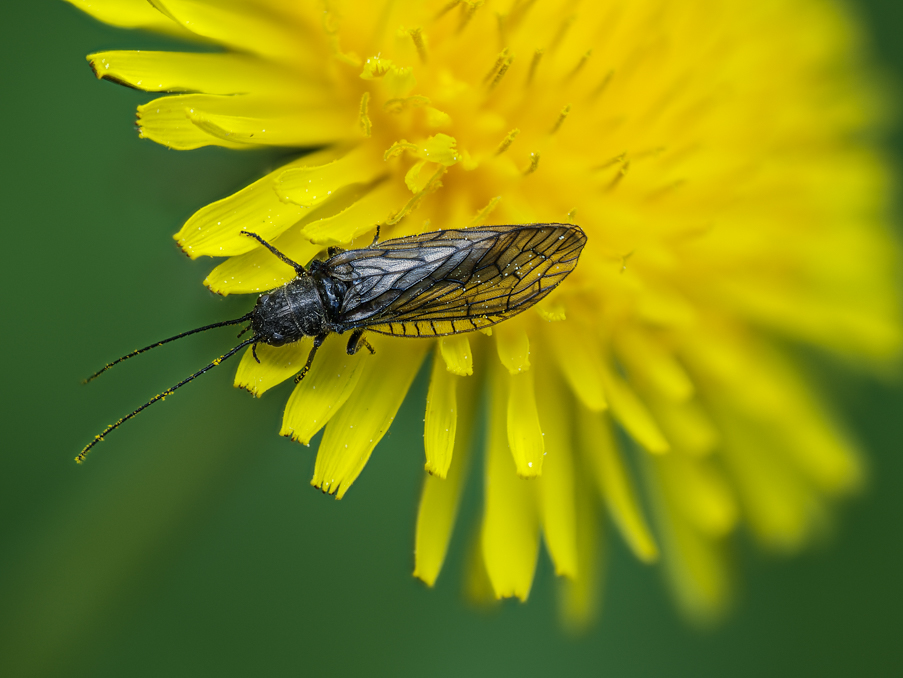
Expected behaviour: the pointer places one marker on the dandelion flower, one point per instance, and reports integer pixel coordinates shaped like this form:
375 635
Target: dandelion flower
716 155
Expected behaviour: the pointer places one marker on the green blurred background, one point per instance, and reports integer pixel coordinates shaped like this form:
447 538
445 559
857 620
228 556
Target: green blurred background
193 544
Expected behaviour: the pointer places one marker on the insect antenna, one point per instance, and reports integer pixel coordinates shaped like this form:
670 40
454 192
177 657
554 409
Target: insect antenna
162 396
166 341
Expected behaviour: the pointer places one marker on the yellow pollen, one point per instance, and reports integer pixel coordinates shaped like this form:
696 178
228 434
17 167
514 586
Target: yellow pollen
534 64
562 31
363 116
507 141
561 118
448 8
468 9
485 212
501 73
618 159
417 36
602 86
534 163
580 64
620 175
572 215
500 60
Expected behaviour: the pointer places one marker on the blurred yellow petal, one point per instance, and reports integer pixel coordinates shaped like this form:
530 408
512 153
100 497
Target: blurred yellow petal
441 495
130 14
696 563
513 346
782 509
510 536
686 424
699 490
630 411
649 361
557 486
215 230
325 388
604 462
580 596
367 414
457 354
579 361
276 365
440 423
525 436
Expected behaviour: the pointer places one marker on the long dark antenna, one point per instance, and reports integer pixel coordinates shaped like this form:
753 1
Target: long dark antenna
166 341
162 396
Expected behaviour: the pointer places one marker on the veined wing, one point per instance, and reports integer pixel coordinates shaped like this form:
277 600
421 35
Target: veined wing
452 281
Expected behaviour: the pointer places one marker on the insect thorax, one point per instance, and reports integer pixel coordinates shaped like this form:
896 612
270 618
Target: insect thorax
289 313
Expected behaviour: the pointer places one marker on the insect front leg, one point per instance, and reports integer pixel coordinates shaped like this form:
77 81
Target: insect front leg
356 341
299 269
318 341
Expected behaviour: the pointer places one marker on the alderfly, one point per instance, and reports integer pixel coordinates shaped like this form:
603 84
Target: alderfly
428 285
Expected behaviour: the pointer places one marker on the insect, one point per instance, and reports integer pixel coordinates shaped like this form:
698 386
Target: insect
428 285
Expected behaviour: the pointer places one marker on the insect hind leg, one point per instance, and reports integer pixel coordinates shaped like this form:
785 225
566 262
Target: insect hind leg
356 341
318 341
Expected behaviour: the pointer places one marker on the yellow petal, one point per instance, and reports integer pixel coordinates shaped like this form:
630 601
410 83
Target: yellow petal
781 507
647 360
259 270
696 563
685 424
440 497
189 121
604 461
557 490
189 72
579 596
513 347
457 354
630 411
367 414
510 536
700 491
358 211
316 399
313 184
243 26
276 365
525 437
441 418
578 357
130 14
215 230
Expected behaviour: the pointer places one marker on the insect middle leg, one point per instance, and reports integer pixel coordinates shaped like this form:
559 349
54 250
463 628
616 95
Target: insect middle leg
318 341
356 341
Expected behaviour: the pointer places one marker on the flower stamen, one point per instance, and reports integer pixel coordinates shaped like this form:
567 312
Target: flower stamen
561 118
507 141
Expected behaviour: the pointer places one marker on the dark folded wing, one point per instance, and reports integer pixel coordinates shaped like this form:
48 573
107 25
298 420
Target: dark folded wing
453 281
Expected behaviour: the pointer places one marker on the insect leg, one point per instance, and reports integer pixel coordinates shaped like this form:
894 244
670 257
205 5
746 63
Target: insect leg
375 236
318 341
356 341
254 352
299 269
